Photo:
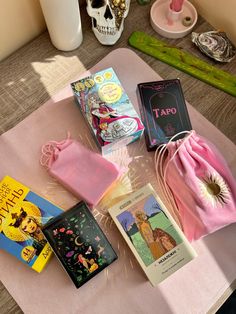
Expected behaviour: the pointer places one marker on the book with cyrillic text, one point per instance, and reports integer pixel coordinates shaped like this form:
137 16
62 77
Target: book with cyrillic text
22 214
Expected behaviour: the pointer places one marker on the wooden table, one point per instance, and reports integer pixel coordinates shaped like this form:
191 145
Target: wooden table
35 72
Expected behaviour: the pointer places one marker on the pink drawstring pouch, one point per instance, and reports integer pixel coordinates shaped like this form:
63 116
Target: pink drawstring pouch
83 172
196 184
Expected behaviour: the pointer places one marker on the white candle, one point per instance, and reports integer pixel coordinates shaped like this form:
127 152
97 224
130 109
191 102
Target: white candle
63 22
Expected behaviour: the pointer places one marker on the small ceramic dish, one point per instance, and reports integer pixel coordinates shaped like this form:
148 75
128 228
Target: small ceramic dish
171 24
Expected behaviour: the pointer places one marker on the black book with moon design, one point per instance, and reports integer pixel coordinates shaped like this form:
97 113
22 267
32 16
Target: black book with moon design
79 243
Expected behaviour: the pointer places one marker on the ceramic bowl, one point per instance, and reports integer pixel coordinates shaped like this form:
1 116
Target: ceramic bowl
172 24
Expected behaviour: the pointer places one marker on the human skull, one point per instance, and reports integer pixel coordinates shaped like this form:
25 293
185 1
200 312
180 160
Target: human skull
108 19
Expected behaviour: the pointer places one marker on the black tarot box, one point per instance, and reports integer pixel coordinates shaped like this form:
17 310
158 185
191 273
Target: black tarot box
79 243
163 110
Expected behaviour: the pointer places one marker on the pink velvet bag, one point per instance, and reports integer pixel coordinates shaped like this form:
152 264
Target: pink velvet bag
85 173
196 184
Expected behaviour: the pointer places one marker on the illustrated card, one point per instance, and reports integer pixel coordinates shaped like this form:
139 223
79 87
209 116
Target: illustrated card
79 243
151 233
108 110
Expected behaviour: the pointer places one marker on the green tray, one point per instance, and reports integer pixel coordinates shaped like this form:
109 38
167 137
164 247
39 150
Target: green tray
184 61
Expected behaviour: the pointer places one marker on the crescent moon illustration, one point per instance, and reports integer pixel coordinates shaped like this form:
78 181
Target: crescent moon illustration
77 243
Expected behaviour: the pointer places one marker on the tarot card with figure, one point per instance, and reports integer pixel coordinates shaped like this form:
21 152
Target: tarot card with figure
152 234
79 243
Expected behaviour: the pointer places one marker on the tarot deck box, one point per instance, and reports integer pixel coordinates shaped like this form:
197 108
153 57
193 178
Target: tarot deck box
79 243
108 110
155 239
163 111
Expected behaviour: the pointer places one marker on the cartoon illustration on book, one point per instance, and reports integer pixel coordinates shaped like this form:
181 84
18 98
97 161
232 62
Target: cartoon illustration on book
27 224
149 229
146 231
108 123
23 225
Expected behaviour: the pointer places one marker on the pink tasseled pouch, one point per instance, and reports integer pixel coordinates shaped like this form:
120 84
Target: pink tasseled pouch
86 174
196 183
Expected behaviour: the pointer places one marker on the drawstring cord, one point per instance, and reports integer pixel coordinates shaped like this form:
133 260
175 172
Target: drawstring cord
49 151
161 172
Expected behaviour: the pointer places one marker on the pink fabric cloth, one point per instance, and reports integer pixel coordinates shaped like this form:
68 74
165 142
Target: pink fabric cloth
202 185
85 173
122 288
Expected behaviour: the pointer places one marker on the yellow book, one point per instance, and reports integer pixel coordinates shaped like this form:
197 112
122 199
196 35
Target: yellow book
22 214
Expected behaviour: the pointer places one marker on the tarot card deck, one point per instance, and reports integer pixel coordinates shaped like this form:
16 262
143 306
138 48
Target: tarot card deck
79 243
155 239
163 110
108 110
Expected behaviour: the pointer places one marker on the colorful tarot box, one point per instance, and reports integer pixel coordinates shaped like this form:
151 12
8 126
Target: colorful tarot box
79 243
108 110
163 110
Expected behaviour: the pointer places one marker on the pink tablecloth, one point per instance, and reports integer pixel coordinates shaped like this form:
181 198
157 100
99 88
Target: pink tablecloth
121 288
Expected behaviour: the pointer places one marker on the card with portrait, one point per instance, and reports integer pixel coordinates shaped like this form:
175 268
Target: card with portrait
79 243
152 234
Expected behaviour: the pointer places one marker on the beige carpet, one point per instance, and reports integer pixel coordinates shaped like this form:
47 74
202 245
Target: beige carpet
35 72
